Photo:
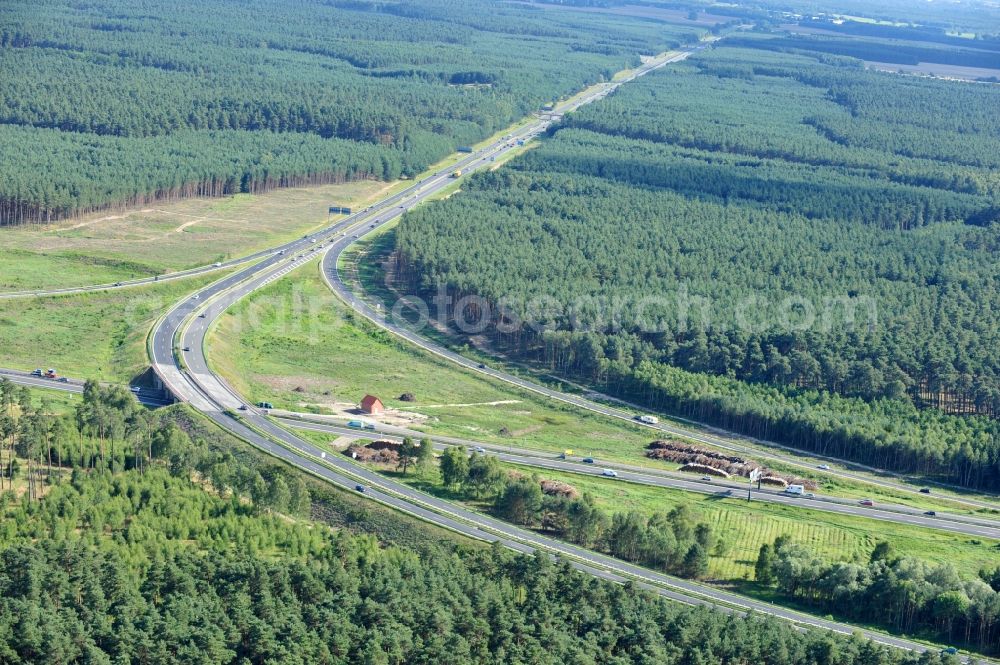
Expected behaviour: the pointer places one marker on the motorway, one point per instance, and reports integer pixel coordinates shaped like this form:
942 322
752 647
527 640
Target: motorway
155 279
177 350
729 489
723 489
75 386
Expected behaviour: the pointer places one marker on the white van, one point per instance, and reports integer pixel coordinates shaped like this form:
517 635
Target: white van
798 490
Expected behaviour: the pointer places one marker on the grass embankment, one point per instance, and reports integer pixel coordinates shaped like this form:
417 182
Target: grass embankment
99 335
103 248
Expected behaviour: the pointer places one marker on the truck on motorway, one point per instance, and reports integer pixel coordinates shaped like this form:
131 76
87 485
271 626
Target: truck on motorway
797 490
357 424
51 374
457 173
649 420
465 148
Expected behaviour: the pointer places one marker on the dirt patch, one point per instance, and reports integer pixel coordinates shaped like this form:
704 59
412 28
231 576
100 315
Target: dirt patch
185 225
498 402
350 411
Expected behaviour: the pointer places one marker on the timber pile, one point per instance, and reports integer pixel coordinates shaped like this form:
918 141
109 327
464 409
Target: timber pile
557 488
710 462
374 454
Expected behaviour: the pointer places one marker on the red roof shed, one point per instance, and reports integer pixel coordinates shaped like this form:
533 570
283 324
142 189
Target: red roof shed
373 405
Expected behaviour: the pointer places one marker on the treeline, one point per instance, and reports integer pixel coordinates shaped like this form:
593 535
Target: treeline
896 52
146 566
88 173
673 541
113 105
916 33
900 593
842 282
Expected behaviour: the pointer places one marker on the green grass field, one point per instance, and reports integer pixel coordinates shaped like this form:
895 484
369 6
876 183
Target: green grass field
99 335
295 345
167 237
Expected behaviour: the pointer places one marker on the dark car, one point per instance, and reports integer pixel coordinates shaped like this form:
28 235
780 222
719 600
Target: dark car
587 460
925 490
187 348
360 488
481 366
930 513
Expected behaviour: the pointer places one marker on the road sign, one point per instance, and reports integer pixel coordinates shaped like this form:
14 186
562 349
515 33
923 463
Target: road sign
754 478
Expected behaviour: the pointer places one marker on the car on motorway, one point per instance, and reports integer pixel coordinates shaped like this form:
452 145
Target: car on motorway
949 651
312 239
481 366
281 253
610 473
243 407
118 283
217 264
369 425
930 513
135 389
360 488
925 490
37 372
479 449
587 460
196 297
867 502
707 478
823 467
202 315
728 492
186 348
264 405
62 379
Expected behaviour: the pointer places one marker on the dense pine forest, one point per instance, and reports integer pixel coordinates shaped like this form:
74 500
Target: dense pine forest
114 104
135 537
785 244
